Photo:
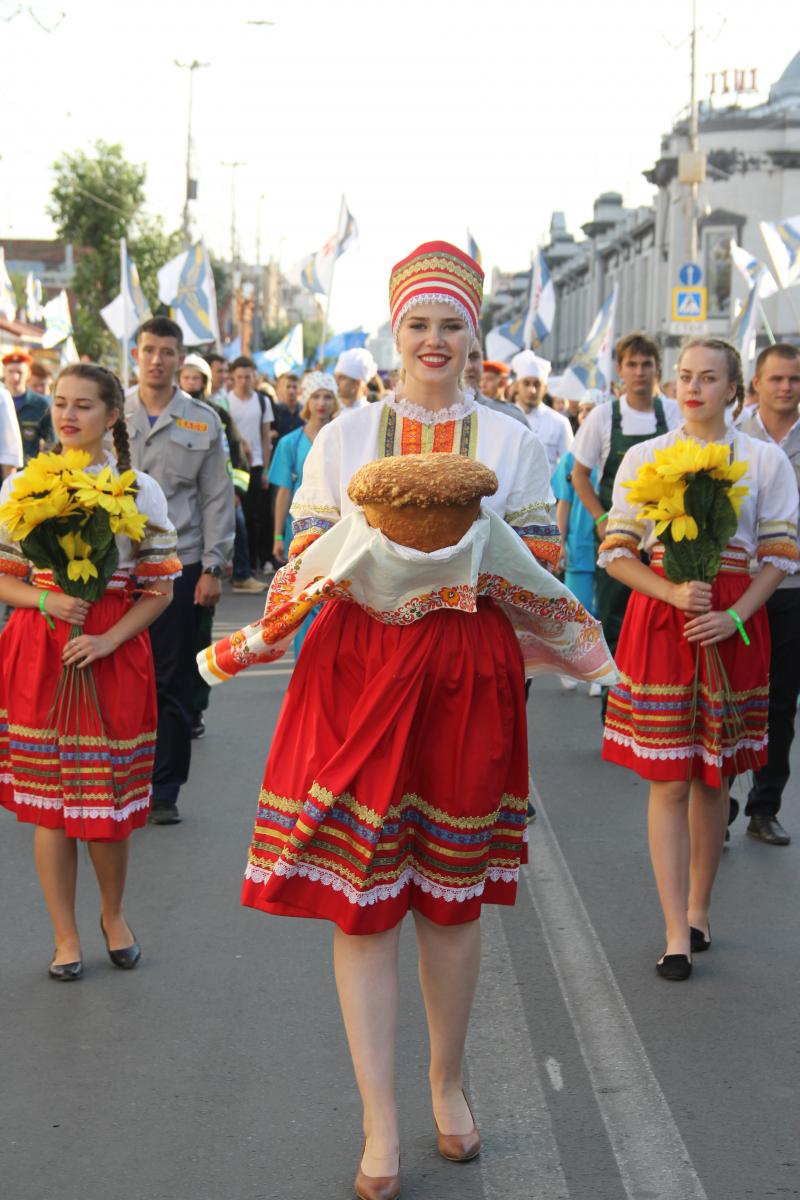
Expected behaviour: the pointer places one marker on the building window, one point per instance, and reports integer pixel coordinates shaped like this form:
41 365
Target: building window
719 267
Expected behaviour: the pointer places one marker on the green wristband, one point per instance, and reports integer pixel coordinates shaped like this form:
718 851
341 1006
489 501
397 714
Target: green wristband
602 517
43 610
739 624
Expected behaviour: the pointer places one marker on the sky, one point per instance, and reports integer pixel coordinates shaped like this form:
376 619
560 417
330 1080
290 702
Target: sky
431 117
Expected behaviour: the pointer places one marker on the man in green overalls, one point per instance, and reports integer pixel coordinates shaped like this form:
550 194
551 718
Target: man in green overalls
641 413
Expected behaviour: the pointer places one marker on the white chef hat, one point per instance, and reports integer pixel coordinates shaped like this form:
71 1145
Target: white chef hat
527 365
357 363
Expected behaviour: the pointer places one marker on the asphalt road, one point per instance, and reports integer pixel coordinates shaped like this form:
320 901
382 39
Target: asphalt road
218 1069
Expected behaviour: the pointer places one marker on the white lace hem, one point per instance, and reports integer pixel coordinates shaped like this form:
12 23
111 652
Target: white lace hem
789 565
426 416
618 552
382 891
94 812
683 752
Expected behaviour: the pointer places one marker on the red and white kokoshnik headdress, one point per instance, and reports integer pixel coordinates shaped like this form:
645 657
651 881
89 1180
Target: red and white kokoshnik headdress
436 272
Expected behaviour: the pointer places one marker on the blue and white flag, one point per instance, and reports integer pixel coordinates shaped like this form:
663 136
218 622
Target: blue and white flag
58 321
541 305
504 341
233 349
473 249
752 269
286 356
8 300
591 366
745 325
127 311
353 339
34 308
186 284
782 239
315 272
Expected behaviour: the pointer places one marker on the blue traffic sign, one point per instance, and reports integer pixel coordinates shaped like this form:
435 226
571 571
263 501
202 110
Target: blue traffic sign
690 274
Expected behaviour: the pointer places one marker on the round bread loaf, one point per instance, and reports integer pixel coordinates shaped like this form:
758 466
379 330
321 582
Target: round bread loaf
427 501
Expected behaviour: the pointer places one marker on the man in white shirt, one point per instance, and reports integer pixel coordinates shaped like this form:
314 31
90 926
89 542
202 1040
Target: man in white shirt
252 415
353 371
777 419
530 384
606 434
10 436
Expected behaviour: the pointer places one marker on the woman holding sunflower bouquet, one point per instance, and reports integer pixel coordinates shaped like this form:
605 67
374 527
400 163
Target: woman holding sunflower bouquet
77 692
690 710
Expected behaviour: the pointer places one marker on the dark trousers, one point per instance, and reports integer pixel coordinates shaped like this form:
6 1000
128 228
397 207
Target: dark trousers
241 546
266 530
783 610
253 513
205 635
174 637
612 601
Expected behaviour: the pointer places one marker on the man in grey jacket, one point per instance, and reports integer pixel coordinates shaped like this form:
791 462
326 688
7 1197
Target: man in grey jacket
777 419
180 442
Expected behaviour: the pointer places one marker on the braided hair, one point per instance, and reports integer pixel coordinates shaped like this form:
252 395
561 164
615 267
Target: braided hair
733 365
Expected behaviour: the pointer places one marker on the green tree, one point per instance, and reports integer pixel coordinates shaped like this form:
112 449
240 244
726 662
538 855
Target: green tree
96 199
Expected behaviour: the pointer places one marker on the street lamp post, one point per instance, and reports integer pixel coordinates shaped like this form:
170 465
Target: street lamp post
191 185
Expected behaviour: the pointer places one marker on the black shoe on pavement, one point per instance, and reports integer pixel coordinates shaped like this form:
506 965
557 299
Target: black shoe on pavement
198 727
675 967
165 814
531 813
768 829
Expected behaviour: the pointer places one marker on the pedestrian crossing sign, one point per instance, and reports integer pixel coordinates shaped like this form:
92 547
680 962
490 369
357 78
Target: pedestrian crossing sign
689 303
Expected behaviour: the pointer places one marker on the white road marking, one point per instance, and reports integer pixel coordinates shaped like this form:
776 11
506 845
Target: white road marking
520 1156
553 1068
651 1155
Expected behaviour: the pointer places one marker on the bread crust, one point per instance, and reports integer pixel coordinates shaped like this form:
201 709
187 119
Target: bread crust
422 480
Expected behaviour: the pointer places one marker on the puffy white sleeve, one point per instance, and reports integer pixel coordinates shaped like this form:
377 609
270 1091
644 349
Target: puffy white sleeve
776 510
624 531
156 555
531 503
588 444
316 504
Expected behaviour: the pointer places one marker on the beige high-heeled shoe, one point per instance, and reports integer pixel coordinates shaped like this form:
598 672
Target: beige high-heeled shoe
376 1187
459 1147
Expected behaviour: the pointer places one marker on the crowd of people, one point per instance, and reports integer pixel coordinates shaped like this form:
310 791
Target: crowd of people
239 476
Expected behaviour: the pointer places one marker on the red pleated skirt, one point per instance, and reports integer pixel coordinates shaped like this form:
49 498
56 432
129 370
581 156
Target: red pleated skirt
398 774
73 772
664 726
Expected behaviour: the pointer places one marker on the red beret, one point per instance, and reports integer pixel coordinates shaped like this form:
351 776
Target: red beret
496 368
16 356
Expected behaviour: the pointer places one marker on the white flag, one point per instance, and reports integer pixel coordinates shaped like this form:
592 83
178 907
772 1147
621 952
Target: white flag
541 305
315 272
287 355
8 300
782 239
751 268
34 310
130 308
745 325
58 322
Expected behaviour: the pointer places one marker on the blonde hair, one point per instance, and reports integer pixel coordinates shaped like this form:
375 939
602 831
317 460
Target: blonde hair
305 411
733 365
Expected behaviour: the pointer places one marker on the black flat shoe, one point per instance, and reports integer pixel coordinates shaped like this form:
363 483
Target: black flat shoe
699 941
65 972
675 967
767 829
125 959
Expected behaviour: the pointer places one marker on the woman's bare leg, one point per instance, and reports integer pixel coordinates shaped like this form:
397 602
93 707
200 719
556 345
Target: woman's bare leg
449 964
368 983
708 820
110 862
56 858
668 833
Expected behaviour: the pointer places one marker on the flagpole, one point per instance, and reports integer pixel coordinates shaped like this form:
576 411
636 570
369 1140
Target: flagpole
326 317
123 287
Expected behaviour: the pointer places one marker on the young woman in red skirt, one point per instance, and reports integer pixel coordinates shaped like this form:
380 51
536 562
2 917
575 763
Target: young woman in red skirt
72 785
689 748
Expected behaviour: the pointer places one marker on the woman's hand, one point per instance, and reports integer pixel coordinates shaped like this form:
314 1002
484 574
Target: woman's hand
279 551
691 597
66 608
81 651
710 628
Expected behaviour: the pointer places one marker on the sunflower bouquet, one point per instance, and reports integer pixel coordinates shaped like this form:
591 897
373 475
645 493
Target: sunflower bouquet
65 519
690 491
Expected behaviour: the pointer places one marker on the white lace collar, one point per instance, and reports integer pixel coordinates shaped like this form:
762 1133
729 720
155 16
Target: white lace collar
729 437
427 416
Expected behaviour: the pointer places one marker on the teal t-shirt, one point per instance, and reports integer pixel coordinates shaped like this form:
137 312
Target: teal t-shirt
581 544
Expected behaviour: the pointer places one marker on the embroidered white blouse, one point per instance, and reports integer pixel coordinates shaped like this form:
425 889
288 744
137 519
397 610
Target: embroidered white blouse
767 529
524 498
